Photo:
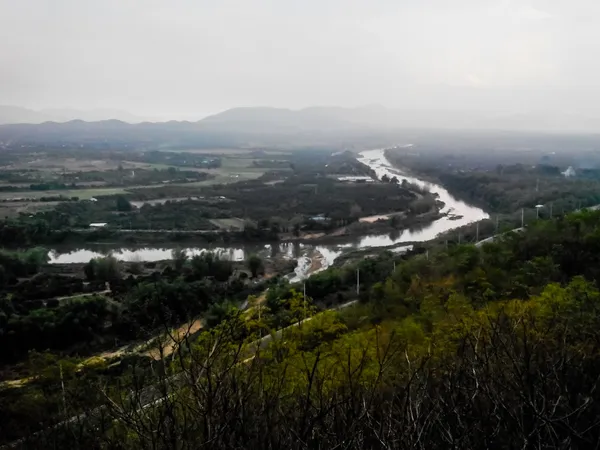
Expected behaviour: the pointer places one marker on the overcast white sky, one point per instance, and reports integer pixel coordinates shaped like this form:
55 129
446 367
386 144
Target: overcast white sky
189 58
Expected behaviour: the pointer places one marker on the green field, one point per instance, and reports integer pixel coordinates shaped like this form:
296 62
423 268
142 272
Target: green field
236 165
83 194
221 176
227 224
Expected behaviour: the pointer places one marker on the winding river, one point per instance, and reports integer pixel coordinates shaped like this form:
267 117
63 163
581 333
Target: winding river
460 213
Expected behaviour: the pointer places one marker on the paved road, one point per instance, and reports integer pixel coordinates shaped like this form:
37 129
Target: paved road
491 238
520 229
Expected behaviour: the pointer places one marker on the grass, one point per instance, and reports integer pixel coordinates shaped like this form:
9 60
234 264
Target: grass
236 166
13 209
83 194
150 166
227 224
221 176
225 177
226 151
211 151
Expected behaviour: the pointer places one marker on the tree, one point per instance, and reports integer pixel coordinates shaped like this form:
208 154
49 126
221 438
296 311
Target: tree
355 210
123 204
136 266
255 264
107 269
179 258
218 312
35 258
90 269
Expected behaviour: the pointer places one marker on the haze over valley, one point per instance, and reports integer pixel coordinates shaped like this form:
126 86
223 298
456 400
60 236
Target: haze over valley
273 224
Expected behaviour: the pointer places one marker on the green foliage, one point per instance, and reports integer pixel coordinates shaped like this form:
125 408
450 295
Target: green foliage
105 269
470 347
287 307
219 312
489 180
123 204
208 264
90 269
179 257
72 321
255 264
162 303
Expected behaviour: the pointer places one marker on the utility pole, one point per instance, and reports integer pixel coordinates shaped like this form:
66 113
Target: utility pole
522 217
427 254
537 185
259 322
551 210
304 289
477 233
496 224
357 281
458 238
394 266
446 244
537 212
62 384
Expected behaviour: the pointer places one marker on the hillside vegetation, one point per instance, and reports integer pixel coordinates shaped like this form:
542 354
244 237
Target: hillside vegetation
501 187
466 347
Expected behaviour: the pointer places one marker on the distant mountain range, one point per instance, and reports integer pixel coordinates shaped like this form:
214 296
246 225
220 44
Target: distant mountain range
17 114
274 126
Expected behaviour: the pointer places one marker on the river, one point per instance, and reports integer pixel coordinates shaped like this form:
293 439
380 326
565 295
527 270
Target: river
459 214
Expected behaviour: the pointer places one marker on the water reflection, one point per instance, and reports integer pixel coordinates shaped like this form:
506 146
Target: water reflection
303 253
377 161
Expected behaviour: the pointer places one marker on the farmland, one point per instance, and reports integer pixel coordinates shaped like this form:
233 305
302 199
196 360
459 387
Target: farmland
36 181
249 196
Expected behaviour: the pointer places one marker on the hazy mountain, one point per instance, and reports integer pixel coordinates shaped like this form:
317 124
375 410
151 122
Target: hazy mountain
17 115
377 117
345 127
313 118
65 115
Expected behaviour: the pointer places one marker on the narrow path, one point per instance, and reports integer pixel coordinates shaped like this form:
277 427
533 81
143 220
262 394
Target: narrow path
153 397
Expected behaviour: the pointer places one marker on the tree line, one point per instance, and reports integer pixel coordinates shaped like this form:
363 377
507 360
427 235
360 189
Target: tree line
460 347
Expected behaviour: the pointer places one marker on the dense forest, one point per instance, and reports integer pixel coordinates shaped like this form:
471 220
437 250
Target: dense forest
53 312
505 187
493 346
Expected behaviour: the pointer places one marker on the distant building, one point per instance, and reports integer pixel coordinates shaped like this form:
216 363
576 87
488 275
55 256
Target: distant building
93 199
98 224
570 172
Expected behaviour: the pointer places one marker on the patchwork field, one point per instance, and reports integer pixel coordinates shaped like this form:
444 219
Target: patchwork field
60 165
229 224
229 151
82 194
13 209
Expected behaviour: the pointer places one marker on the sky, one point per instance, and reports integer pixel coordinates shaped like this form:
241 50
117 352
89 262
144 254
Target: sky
190 58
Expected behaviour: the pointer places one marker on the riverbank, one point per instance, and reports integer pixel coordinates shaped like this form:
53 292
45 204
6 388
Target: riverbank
382 223
447 214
